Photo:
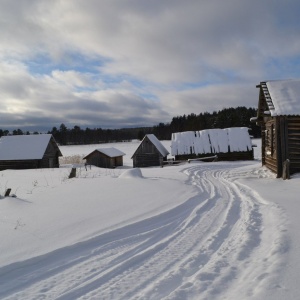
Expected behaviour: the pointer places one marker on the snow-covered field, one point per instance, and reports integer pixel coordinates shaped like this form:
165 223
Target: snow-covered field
222 230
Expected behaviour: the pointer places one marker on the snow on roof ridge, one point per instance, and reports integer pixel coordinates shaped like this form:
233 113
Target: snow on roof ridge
159 146
111 151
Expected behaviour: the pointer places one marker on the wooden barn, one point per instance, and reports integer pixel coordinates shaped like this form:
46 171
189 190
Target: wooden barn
225 144
149 153
105 158
28 152
278 115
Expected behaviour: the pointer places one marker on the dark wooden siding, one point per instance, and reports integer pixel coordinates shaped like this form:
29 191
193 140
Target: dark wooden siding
147 155
50 157
147 160
101 160
280 136
19 164
269 149
281 141
49 160
293 149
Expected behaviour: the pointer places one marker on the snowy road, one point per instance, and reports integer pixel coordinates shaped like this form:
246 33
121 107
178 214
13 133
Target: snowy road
224 243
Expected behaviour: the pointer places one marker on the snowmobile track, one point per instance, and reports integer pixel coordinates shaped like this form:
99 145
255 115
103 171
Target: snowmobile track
203 247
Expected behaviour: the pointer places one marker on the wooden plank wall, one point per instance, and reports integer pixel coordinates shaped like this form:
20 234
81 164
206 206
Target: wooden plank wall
270 145
19 164
147 160
147 155
293 149
100 160
51 152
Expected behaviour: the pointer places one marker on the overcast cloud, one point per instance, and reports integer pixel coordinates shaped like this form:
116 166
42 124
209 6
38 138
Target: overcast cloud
129 63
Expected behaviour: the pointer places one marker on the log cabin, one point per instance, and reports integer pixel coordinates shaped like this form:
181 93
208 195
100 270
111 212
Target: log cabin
278 115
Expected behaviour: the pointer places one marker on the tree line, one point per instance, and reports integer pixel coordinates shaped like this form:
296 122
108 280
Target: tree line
225 118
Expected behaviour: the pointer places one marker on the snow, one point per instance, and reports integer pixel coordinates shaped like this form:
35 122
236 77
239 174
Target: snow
132 173
211 141
18 147
285 96
158 145
219 230
111 152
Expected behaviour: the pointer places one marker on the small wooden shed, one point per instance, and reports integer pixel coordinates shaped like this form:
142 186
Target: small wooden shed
105 158
278 115
29 152
225 144
150 153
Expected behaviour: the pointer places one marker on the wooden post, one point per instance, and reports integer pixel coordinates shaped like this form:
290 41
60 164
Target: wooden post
72 173
286 170
7 192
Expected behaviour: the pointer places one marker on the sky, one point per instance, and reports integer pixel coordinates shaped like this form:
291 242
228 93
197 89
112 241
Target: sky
131 63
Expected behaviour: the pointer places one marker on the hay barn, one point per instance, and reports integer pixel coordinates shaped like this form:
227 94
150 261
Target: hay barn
150 153
105 158
29 152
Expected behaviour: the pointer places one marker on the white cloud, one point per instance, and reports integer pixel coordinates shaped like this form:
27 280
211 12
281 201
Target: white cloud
210 98
55 97
74 79
142 50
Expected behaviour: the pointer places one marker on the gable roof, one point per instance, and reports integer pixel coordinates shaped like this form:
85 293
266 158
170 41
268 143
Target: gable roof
282 96
23 147
110 152
236 139
157 144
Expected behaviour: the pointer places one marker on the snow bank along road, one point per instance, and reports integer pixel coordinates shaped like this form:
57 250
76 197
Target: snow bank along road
224 243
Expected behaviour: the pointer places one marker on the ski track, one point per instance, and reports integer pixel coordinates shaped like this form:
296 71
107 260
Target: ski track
225 241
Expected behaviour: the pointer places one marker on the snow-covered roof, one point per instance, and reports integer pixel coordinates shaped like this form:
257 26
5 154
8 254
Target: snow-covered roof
110 152
285 95
158 145
236 139
22 147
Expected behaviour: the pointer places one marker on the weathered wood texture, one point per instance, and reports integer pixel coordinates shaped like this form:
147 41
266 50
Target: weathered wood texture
147 155
293 144
280 138
19 164
101 160
281 141
49 160
286 170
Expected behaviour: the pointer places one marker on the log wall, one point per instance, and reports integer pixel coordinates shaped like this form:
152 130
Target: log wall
293 146
147 155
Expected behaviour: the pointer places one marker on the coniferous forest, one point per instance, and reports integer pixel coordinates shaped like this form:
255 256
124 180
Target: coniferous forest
228 117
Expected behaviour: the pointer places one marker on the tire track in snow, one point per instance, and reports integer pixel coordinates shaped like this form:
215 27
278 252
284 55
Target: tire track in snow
202 247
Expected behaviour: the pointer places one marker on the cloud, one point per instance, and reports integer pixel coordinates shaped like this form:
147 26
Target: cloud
55 98
126 63
210 98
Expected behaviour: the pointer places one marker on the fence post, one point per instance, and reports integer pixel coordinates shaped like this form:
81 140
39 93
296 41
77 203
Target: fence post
7 192
72 173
